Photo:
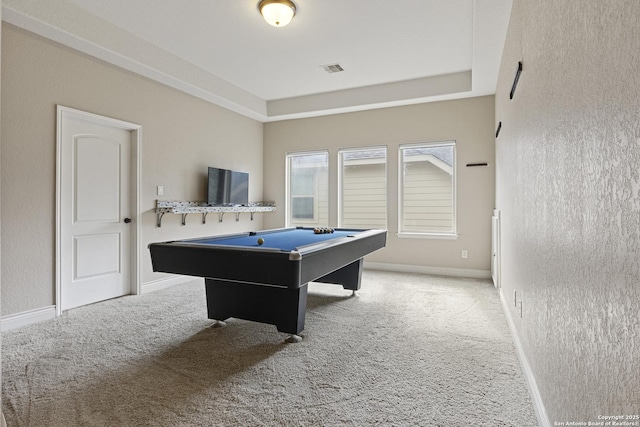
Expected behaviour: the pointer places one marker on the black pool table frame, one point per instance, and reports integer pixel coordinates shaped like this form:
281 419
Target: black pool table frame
264 284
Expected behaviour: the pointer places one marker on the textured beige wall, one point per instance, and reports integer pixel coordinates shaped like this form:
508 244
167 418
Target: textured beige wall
1 24
181 136
469 122
568 187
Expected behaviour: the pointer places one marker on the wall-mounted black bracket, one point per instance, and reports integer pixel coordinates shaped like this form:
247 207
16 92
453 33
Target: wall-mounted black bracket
515 80
498 129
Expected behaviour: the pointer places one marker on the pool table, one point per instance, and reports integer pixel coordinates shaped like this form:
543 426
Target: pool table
267 281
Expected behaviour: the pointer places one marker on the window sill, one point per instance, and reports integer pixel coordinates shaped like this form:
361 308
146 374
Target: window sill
441 236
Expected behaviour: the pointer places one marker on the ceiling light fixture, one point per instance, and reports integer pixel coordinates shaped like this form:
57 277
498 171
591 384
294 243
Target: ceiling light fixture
277 12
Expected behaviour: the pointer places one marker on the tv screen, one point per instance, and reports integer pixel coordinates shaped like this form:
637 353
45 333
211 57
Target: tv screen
239 189
227 187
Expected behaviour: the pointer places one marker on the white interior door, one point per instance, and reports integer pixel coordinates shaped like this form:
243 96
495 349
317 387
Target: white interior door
95 209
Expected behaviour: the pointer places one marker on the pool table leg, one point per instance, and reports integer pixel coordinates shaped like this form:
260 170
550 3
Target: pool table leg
348 276
283 307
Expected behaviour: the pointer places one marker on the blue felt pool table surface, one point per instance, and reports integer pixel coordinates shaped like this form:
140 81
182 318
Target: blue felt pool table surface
285 240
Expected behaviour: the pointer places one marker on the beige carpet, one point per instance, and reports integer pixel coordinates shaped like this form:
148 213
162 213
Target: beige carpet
408 350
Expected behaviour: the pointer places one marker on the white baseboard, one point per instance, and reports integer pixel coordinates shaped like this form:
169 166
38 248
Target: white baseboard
25 318
439 271
13 321
168 282
538 405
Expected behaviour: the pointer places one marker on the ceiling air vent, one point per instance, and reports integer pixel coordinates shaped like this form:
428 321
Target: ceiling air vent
332 68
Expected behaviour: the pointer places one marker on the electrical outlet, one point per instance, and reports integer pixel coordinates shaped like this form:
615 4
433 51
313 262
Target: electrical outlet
465 254
160 190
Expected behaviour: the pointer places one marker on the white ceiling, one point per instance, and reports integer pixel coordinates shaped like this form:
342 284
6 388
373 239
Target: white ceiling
393 52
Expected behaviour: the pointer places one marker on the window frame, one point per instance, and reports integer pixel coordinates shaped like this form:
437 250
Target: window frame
448 235
342 151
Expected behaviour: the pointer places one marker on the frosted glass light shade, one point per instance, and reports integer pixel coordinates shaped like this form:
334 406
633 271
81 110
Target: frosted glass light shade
277 12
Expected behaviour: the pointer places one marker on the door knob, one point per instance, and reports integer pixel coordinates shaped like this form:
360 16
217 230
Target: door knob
127 220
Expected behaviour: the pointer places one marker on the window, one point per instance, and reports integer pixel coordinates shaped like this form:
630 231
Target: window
307 189
363 187
427 190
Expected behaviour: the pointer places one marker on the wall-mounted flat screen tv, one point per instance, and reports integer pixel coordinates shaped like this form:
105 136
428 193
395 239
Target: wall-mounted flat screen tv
227 187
